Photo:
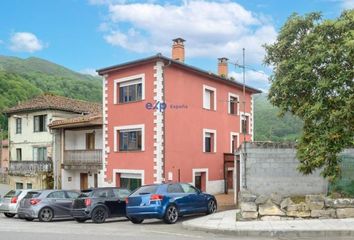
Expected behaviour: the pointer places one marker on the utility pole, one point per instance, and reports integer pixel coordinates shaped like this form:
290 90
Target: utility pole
244 115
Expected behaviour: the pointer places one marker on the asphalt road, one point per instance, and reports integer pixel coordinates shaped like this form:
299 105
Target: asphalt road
117 229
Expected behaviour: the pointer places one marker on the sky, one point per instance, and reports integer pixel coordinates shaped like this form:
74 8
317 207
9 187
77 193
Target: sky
85 35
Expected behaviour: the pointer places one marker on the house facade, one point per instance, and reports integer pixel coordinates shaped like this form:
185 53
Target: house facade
31 141
78 151
165 120
4 154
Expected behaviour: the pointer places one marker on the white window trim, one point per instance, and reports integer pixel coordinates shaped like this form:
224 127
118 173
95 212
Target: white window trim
238 101
128 171
249 122
128 127
206 87
232 134
205 130
125 80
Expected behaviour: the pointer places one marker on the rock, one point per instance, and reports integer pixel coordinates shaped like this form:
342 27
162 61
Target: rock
285 203
329 202
300 210
315 202
298 214
276 198
270 209
298 207
249 215
325 213
271 218
345 212
262 199
246 196
248 207
344 203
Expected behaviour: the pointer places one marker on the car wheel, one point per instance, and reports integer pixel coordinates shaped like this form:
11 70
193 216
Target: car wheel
29 219
211 206
80 220
9 215
136 220
45 215
171 215
99 215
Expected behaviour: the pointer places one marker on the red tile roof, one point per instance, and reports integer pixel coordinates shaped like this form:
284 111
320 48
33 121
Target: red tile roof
55 102
87 120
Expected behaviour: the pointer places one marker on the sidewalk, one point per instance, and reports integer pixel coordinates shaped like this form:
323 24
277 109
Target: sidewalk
225 222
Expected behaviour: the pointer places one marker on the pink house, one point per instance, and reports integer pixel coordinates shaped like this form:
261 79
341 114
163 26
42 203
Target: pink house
165 120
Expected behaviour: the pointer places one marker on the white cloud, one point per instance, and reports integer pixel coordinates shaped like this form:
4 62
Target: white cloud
89 71
257 79
212 29
25 42
347 4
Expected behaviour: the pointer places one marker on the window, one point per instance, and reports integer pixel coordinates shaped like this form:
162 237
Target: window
175 188
129 89
39 153
129 138
245 123
189 188
122 194
18 154
90 141
209 98
19 185
40 123
233 141
73 195
58 194
130 183
18 125
233 104
29 185
209 140
103 193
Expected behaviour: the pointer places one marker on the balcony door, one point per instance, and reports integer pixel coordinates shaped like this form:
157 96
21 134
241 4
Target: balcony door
90 141
83 181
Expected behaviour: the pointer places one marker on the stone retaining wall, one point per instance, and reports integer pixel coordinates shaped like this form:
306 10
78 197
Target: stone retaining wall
277 207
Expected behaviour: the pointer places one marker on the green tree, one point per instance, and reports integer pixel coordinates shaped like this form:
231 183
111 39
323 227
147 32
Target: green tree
313 79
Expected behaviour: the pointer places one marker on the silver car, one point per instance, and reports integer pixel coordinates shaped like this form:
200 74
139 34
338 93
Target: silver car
47 205
10 202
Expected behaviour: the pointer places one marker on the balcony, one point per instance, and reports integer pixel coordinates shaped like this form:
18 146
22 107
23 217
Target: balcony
83 159
29 168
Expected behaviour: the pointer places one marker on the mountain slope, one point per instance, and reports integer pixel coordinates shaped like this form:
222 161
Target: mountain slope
22 79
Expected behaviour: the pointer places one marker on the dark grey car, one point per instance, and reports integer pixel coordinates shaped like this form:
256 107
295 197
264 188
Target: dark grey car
46 205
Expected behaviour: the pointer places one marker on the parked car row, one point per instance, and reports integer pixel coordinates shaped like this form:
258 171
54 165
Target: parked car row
162 201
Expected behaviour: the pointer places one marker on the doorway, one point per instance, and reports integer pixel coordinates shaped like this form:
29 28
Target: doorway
83 181
200 181
230 180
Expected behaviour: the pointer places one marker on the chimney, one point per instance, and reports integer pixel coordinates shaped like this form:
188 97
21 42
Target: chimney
223 67
178 49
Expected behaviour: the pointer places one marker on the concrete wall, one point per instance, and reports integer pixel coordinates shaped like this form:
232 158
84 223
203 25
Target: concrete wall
71 179
271 167
76 139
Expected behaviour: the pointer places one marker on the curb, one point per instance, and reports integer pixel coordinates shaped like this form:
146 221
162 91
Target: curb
272 233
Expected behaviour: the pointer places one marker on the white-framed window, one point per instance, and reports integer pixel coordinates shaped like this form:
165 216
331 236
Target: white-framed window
129 138
234 141
245 123
209 140
233 104
209 98
18 125
129 89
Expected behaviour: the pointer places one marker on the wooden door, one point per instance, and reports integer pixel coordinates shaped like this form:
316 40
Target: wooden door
90 141
83 181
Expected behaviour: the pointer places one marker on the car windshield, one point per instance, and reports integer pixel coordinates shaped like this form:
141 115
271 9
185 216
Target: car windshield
85 193
12 193
150 189
32 194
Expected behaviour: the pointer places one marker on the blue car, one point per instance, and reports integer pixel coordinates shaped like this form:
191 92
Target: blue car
168 202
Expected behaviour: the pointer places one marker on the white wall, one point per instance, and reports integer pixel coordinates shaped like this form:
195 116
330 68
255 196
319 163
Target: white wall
28 139
76 140
74 184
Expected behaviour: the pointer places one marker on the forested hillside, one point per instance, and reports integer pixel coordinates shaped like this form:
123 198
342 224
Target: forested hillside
269 126
21 79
